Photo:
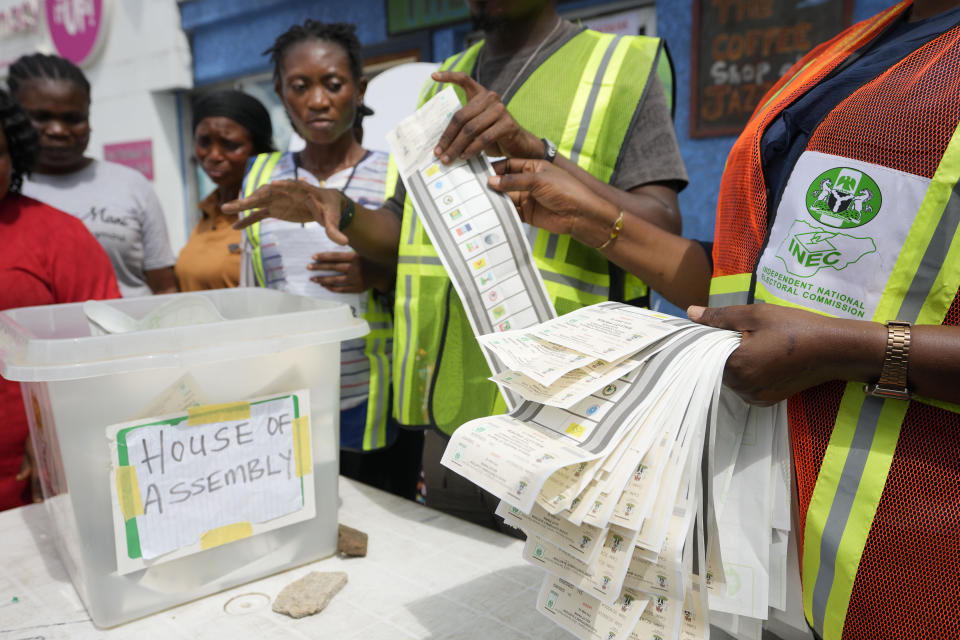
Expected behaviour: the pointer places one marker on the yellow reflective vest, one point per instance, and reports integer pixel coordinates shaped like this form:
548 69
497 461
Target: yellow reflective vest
377 344
584 97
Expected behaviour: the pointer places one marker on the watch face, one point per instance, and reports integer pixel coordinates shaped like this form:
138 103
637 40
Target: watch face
549 150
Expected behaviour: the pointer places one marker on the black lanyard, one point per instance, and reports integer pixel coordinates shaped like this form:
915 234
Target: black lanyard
343 189
346 185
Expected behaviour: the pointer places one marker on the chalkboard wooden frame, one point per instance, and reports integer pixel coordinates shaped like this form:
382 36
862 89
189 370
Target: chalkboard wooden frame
697 129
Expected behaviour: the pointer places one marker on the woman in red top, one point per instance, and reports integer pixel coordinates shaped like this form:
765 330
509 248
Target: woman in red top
48 257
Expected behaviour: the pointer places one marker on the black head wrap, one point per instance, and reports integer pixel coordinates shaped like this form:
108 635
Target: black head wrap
243 109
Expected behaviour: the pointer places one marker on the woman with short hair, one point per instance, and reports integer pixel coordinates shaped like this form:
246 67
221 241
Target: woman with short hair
318 75
117 204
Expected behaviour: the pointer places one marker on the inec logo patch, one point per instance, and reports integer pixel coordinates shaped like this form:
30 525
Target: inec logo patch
808 249
836 220
843 198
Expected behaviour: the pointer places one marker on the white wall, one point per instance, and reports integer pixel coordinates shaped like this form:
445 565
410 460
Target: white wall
144 61
136 76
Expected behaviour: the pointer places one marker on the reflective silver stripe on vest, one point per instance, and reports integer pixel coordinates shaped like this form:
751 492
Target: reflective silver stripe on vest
920 286
408 283
728 299
459 57
382 396
551 251
419 260
438 87
413 227
842 503
254 180
592 100
579 285
252 233
933 258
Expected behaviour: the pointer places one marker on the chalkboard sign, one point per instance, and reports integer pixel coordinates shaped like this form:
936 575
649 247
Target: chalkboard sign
742 47
410 15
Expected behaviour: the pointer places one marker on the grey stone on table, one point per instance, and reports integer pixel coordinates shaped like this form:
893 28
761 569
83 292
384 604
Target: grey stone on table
310 594
351 542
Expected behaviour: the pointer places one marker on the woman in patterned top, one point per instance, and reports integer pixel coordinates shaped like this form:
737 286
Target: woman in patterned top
318 75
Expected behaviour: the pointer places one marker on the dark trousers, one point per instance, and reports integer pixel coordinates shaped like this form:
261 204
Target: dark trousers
451 493
395 469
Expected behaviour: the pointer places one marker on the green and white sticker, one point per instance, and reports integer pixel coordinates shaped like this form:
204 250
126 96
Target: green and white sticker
844 198
840 226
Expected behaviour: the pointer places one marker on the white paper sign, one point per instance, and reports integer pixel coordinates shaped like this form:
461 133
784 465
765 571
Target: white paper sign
185 482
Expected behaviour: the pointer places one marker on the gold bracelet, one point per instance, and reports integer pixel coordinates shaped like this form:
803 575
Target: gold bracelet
617 226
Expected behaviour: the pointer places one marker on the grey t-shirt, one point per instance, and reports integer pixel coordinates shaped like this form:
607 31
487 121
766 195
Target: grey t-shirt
119 207
651 152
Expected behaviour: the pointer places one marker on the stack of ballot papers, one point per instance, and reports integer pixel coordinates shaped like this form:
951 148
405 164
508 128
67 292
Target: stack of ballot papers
646 496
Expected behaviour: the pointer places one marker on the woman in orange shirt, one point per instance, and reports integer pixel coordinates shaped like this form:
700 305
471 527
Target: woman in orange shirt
229 128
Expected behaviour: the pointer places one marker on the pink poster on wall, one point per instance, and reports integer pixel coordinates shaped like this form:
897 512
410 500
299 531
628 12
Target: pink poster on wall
76 27
137 154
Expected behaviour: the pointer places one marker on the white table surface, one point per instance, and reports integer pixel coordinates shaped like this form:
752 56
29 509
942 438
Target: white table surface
426 575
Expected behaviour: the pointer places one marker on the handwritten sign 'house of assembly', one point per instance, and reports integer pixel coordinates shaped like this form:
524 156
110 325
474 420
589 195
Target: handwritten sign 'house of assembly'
217 473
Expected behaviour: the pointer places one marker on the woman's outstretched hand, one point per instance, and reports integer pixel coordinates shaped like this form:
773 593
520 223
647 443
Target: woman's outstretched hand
293 201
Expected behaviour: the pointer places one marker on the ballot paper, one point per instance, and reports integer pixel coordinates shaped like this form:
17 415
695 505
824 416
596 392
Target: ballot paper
745 522
585 616
513 455
572 386
540 360
647 495
608 570
580 542
475 230
612 490
605 332
298 244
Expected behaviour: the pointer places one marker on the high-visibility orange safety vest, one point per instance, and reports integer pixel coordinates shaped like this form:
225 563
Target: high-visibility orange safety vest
867 227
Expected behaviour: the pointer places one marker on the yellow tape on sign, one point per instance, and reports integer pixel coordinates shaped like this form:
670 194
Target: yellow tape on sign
223 535
128 492
209 413
301 445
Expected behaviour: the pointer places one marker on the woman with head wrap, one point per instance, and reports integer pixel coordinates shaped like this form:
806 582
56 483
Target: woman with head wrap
229 127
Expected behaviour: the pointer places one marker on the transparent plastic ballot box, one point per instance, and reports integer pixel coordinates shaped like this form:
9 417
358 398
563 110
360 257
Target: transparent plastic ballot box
182 461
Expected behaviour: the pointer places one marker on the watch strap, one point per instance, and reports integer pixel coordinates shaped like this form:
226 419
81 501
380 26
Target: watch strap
549 150
893 373
347 213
